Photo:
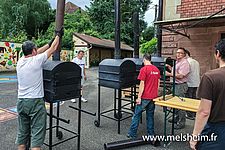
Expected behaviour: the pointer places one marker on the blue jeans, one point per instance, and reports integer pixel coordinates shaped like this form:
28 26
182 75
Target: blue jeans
215 129
149 106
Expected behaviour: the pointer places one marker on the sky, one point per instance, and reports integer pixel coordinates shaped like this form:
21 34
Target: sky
149 16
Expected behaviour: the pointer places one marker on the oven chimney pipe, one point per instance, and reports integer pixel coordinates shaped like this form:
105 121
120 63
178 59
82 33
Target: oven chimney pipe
59 24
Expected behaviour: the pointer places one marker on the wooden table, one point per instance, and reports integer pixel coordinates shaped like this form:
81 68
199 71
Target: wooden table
174 102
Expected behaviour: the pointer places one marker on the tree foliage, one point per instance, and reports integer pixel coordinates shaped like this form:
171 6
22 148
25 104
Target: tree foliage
74 22
149 47
31 16
147 34
101 14
34 18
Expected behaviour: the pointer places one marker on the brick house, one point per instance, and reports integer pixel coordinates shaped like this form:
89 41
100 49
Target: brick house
195 25
71 8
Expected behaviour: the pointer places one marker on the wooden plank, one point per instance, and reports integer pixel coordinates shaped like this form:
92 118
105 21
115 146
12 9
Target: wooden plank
187 104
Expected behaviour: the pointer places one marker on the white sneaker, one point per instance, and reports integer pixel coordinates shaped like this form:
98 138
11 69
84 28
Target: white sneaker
73 100
83 100
61 102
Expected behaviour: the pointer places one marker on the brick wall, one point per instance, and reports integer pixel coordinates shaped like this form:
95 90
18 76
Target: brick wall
197 8
201 45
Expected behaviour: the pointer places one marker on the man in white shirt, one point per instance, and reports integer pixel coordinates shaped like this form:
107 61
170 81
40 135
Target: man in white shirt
79 61
30 104
193 81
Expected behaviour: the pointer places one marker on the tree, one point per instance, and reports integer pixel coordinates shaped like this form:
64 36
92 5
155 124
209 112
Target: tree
101 13
74 22
32 16
147 34
149 47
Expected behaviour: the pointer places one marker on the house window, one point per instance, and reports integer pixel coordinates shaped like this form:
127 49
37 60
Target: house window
222 35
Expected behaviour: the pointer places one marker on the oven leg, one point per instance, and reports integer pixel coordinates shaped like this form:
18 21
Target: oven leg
79 124
28 142
99 101
115 110
97 122
57 120
50 126
132 98
119 109
135 96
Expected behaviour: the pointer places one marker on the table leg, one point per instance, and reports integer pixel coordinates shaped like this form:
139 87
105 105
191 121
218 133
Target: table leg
165 125
173 121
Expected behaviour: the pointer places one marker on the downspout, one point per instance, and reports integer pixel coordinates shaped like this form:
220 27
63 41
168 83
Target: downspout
159 29
59 24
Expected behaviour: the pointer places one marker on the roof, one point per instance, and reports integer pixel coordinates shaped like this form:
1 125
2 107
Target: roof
97 42
212 19
71 7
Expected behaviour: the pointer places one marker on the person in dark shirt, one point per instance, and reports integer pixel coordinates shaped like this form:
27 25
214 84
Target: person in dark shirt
210 118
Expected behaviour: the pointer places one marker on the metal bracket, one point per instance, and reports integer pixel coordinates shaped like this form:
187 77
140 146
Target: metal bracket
181 27
171 29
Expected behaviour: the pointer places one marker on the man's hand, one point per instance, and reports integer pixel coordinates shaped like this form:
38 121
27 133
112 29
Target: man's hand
53 47
169 67
193 145
60 32
138 101
85 78
168 74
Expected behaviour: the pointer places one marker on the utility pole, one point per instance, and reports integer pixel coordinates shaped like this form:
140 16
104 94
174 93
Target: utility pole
136 31
156 12
155 26
117 52
159 30
59 24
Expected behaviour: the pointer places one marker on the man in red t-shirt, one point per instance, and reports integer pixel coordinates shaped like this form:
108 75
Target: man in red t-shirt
148 90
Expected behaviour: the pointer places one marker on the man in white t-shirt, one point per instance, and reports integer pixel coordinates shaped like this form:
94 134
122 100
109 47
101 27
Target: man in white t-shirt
79 61
30 104
193 81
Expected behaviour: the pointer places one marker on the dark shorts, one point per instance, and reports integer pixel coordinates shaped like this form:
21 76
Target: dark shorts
31 121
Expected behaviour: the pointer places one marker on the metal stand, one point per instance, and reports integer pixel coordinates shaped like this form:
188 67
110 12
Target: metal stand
79 120
59 133
133 97
167 116
167 111
118 108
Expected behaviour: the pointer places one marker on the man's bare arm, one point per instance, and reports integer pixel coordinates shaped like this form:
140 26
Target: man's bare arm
84 70
53 47
141 89
202 116
42 49
158 84
178 76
